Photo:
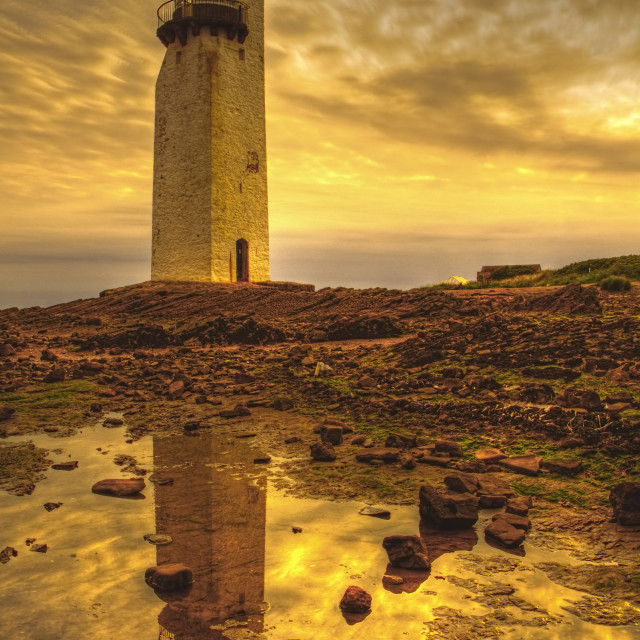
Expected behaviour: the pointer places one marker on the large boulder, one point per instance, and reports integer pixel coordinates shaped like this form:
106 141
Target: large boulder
447 512
625 499
407 552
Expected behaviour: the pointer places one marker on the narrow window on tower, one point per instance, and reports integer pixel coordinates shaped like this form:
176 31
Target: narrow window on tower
178 56
241 54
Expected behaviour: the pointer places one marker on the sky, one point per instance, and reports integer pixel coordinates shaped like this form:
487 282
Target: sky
408 140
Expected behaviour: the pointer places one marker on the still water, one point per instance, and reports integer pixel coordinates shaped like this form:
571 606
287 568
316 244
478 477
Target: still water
253 576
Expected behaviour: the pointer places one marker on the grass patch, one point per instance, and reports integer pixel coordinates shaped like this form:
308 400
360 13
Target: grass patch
54 396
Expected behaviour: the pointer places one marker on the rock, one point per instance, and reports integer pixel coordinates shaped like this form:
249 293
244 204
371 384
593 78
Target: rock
375 512
519 522
57 374
527 464
244 378
461 482
48 356
491 486
383 455
407 461
448 512
437 461
50 506
39 548
176 390
488 501
282 404
563 467
401 440
331 434
355 600
160 480
323 452
169 577
625 499
158 539
407 552
6 412
65 466
263 459
367 382
449 446
295 529
112 422
95 407
119 486
292 439
7 553
570 443
394 581
581 398
519 506
505 533
489 455
6 350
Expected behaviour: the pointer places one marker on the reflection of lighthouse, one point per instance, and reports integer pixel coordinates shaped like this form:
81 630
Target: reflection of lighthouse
215 513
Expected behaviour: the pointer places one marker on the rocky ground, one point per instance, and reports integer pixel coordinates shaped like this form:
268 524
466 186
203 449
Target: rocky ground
361 394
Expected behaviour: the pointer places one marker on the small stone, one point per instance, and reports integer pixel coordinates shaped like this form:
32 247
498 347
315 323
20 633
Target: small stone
563 467
625 500
65 466
119 487
323 452
7 553
39 548
169 577
375 512
489 455
355 600
50 506
6 412
296 529
282 404
112 422
57 374
264 459
292 440
449 446
332 434
160 480
394 581
158 539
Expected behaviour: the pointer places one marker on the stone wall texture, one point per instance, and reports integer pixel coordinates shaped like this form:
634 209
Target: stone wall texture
210 163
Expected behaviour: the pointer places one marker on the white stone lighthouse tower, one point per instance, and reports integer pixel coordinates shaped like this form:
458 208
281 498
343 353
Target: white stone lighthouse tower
210 216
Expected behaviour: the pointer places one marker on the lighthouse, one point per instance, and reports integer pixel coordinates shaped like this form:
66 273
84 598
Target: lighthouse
210 211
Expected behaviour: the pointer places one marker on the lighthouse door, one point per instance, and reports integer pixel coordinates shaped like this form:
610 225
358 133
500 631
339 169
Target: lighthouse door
242 261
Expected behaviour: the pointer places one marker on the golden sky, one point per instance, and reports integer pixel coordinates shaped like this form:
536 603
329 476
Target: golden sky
408 140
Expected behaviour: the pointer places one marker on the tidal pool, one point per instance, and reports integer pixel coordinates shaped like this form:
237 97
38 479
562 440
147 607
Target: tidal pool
253 576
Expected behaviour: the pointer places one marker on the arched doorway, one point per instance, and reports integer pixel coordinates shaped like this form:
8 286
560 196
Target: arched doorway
242 260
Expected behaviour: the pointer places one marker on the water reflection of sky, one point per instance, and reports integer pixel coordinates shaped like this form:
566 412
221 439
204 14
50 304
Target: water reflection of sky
235 532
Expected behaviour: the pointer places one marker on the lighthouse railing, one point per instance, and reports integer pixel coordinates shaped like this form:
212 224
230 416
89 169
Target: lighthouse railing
193 9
